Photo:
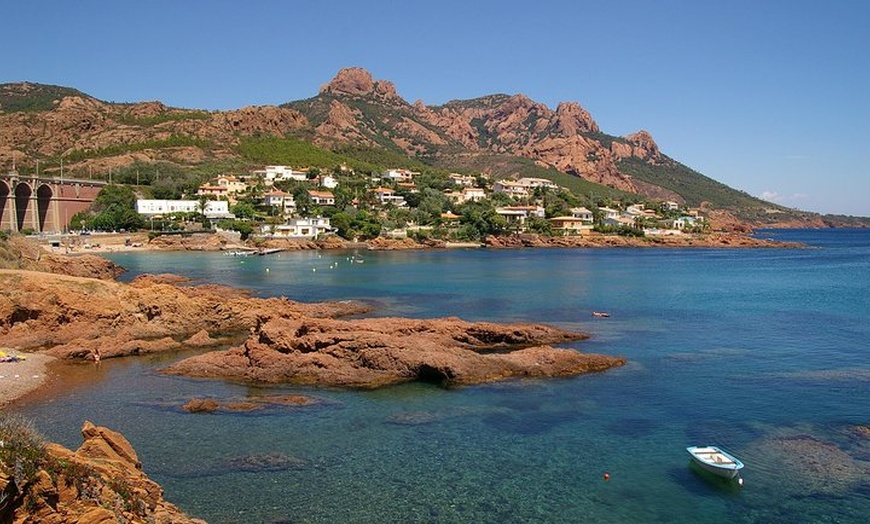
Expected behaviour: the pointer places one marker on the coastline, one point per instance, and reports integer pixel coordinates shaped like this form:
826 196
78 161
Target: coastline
20 378
100 243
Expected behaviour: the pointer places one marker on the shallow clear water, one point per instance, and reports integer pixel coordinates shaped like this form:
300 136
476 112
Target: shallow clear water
747 349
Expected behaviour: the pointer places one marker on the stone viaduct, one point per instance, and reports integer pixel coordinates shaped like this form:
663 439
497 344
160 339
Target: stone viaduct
43 204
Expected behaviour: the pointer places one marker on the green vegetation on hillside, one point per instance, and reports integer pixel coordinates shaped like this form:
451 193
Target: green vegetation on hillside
691 185
296 152
383 158
117 149
29 97
165 180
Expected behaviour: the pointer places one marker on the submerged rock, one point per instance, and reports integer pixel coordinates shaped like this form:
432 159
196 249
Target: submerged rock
809 465
210 405
255 463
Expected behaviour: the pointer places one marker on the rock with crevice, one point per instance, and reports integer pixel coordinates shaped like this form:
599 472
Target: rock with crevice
370 353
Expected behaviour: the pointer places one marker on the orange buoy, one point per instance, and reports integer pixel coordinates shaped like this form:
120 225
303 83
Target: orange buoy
607 476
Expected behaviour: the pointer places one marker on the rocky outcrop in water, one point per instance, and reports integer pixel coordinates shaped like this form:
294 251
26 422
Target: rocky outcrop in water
73 317
371 353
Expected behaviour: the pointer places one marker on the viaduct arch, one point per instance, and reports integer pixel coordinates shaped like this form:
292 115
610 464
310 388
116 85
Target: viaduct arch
43 204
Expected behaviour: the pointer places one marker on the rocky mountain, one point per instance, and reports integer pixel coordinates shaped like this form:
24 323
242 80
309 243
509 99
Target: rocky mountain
502 135
355 108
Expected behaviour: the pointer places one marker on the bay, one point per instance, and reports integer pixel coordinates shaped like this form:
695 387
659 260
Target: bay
761 351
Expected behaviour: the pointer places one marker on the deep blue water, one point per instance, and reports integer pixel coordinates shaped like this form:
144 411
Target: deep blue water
759 351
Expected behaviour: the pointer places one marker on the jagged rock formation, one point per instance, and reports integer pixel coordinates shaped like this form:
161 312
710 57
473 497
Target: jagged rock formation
514 125
76 317
356 81
100 482
377 352
716 240
72 316
82 318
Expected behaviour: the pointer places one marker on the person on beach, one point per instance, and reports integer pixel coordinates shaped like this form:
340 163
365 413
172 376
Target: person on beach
96 355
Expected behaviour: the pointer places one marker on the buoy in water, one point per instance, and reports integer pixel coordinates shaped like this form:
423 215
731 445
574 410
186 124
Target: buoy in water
607 476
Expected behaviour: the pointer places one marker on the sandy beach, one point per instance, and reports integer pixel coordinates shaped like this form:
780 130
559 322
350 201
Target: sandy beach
20 378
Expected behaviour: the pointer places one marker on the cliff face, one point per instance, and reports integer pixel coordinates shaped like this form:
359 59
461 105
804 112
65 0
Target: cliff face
101 482
355 108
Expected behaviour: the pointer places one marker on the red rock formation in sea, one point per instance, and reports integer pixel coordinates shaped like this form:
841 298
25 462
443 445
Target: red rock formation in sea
376 352
70 316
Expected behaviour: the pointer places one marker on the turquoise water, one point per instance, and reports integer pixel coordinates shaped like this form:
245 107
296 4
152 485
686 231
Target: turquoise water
753 350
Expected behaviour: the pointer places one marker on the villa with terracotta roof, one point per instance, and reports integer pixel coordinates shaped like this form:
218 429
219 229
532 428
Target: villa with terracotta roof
322 198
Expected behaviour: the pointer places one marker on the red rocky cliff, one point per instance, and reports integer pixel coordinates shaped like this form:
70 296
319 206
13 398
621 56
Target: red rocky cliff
100 483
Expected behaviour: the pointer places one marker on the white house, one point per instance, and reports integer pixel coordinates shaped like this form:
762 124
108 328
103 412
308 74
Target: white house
511 188
272 173
473 194
537 182
386 195
635 210
608 213
619 221
280 199
468 194
463 180
328 182
687 222
399 175
298 228
213 208
518 215
583 214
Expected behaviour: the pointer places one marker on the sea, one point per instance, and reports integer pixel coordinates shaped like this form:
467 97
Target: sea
763 352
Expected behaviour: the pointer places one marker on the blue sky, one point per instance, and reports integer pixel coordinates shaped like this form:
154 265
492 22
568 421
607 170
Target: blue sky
770 97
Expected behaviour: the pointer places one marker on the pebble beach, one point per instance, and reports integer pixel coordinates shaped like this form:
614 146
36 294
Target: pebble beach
20 377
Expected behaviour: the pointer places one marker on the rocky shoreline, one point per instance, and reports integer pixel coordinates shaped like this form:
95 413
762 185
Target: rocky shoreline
71 309
47 306
207 241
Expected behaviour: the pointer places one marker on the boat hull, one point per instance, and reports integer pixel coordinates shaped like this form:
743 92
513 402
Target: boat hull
715 461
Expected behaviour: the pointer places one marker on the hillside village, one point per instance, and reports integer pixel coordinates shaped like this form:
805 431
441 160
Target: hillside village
282 202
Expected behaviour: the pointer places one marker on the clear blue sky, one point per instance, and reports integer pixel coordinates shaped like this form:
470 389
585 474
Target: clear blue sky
770 97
